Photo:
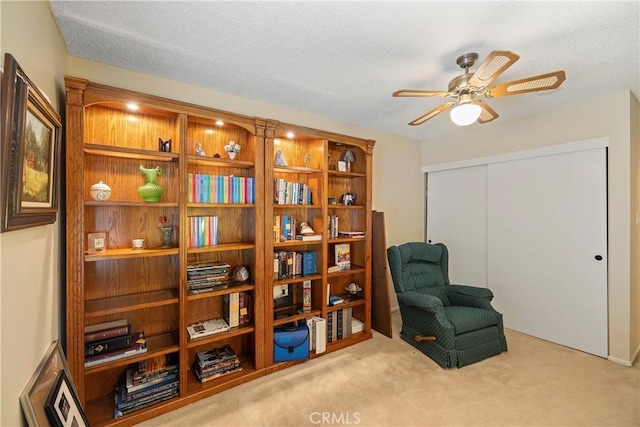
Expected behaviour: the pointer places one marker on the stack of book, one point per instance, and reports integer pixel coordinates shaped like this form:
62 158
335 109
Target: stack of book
207 276
216 362
109 341
351 234
206 328
147 382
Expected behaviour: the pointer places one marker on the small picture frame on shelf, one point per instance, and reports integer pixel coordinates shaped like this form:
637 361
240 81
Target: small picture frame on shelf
63 406
342 166
96 242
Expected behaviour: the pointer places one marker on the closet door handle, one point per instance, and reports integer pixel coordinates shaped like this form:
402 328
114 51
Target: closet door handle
598 257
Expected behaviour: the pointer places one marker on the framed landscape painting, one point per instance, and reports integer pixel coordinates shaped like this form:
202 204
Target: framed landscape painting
31 132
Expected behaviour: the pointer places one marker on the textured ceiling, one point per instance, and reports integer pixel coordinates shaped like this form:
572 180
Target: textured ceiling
344 59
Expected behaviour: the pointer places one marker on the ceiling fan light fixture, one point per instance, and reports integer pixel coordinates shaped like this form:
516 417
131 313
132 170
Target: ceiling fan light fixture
466 112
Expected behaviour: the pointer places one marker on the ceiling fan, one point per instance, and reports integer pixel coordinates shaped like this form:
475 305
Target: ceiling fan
466 89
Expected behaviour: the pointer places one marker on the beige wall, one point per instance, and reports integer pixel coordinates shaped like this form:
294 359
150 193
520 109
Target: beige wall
29 274
614 116
29 262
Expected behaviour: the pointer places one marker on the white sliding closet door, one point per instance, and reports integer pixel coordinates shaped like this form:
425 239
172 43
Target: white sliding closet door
546 228
457 217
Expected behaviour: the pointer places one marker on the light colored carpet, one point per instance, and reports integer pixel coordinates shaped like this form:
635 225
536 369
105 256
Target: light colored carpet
386 382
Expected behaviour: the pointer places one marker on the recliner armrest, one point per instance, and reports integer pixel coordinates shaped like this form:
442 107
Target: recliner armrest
422 301
470 296
472 291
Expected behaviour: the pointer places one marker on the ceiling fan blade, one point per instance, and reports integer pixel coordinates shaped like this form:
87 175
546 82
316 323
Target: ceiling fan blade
495 64
487 113
410 92
531 84
432 113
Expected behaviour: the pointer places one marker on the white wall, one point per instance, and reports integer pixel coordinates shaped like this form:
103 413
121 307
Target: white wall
615 116
29 261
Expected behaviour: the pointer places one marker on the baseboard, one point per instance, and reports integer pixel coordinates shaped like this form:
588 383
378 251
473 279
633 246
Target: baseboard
634 359
620 361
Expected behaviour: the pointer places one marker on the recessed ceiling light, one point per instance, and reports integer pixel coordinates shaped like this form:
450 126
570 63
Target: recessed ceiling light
219 122
290 135
132 106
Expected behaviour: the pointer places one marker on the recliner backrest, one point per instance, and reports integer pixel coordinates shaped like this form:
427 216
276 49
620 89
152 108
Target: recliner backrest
420 267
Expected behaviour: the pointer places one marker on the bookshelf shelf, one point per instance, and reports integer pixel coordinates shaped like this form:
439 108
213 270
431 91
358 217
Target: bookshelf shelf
222 205
222 247
129 153
222 336
223 291
113 254
157 345
220 162
124 303
112 203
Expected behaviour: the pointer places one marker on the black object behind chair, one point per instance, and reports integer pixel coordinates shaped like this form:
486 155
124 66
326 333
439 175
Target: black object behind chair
455 325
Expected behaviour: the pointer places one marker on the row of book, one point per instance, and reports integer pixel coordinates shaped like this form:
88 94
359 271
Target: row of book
287 264
291 193
109 341
202 188
203 231
216 362
207 276
236 308
339 324
147 383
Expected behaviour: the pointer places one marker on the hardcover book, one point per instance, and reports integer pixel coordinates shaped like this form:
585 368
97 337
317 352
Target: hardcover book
343 256
206 328
118 331
107 345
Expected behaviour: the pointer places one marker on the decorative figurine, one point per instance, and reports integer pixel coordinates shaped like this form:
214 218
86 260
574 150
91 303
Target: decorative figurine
164 146
347 199
306 229
199 150
353 289
280 158
232 149
348 158
307 160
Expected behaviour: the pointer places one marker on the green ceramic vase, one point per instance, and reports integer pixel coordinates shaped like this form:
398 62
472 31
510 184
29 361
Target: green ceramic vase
150 191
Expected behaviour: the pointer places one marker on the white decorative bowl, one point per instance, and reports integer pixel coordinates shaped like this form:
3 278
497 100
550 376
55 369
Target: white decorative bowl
100 191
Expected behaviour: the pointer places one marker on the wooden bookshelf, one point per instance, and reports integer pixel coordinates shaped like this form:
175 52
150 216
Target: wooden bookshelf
148 287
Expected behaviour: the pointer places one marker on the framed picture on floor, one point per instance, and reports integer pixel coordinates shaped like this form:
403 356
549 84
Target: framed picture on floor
35 395
62 406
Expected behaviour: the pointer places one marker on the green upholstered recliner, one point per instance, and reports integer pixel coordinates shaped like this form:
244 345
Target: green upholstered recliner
455 325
